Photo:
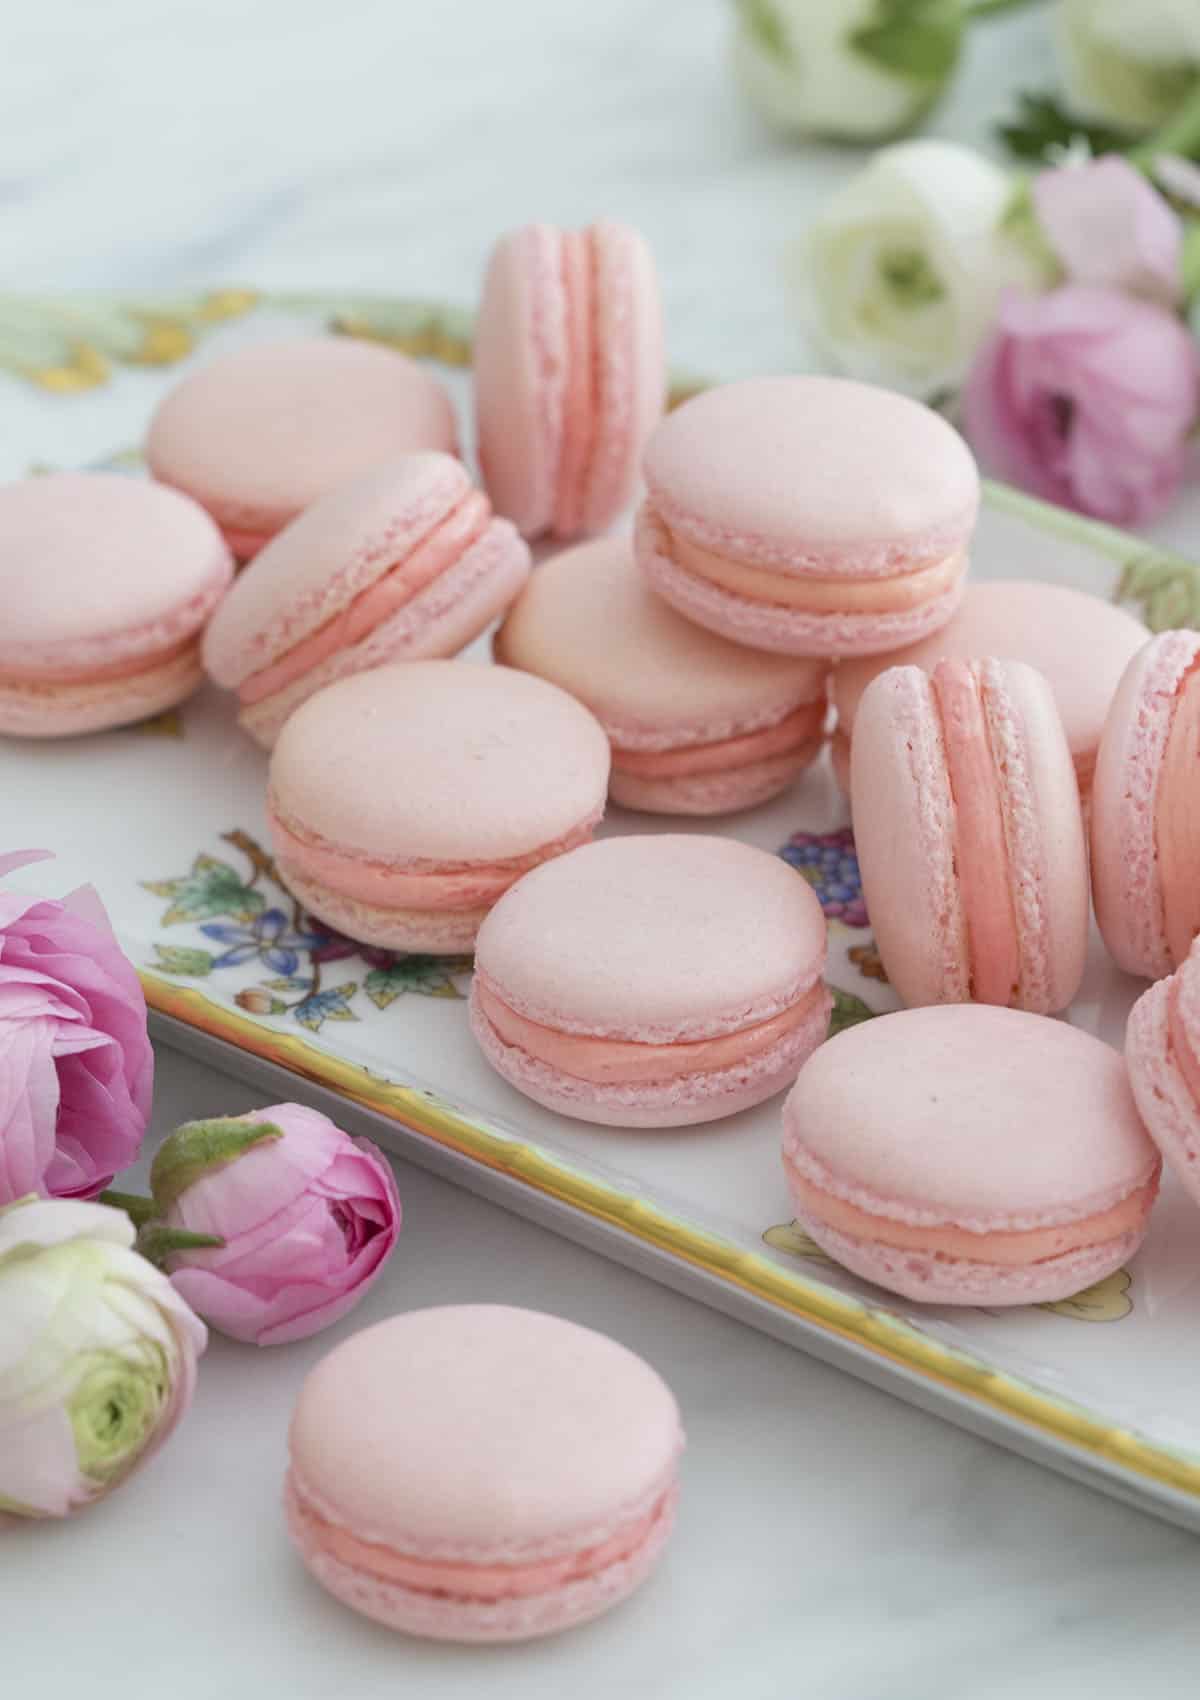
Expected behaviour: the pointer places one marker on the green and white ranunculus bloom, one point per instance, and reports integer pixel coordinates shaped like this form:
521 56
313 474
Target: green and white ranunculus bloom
859 70
97 1355
898 276
1128 62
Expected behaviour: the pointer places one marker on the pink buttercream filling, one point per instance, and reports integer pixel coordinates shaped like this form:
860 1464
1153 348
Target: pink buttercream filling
608 1062
579 398
1006 1247
848 595
385 885
1177 819
444 545
246 544
482 1581
802 726
984 877
130 668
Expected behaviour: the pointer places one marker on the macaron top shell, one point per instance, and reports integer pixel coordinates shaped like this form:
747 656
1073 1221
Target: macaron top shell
260 432
813 476
440 761
98 569
328 555
484 1432
654 939
1081 643
588 620
967 1114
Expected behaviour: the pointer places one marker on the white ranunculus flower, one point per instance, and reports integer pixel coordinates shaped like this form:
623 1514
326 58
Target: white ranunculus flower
860 70
97 1355
899 275
1128 62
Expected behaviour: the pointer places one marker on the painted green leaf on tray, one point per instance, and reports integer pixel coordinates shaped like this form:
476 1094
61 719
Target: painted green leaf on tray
169 724
211 888
1107 1301
428 976
180 959
791 1237
333 1005
916 38
1167 591
848 1010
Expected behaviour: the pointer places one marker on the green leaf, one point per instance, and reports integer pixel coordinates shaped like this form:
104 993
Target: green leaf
199 1148
920 39
1043 126
211 888
763 22
139 1210
848 1010
427 976
157 1241
1166 590
181 959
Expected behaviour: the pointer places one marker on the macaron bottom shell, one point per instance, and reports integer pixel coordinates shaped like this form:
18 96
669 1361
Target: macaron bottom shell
761 624
1164 1073
32 709
718 793
438 1614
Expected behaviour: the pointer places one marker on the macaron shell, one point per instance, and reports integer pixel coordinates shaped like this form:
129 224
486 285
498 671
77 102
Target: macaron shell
446 1618
772 627
1081 644
438 622
814 475
436 932
259 433
98 569
1126 888
654 939
632 377
1168 1108
59 711
495 764
707 794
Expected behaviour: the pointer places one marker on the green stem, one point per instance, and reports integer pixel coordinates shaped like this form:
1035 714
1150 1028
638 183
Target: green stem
989 8
1179 135
138 1209
156 1242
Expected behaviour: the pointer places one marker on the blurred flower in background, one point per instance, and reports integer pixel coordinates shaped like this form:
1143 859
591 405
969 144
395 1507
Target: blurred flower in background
1128 62
1108 225
858 70
899 276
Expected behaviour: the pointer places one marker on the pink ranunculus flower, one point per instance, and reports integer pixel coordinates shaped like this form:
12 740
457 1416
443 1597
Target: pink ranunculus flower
1086 397
1110 227
306 1217
76 1068
97 1355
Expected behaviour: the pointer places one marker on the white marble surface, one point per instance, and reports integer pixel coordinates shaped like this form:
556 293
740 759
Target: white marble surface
832 1542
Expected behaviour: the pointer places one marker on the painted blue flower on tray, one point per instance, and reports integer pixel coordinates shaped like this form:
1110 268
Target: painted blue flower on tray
229 909
827 860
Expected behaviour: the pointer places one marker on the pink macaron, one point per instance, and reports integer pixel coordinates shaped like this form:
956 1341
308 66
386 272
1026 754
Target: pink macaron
404 801
259 433
482 1473
969 834
814 516
970 1156
570 374
106 583
1079 643
1162 1051
652 981
1146 810
697 726
406 563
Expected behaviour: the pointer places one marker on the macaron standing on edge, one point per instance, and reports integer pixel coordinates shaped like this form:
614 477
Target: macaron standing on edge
260 432
814 516
570 374
970 1155
402 802
1145 836
406 563
482 1473
1162 1051
654 981
697 726
1080 643
969 834
106 583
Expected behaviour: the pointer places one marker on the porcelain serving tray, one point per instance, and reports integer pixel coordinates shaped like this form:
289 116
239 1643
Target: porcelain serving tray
167 821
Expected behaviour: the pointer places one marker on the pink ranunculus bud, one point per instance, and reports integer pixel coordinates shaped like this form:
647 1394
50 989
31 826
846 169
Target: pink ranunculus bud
1110 227
306 1216
76 1068
1086 397
97 1355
